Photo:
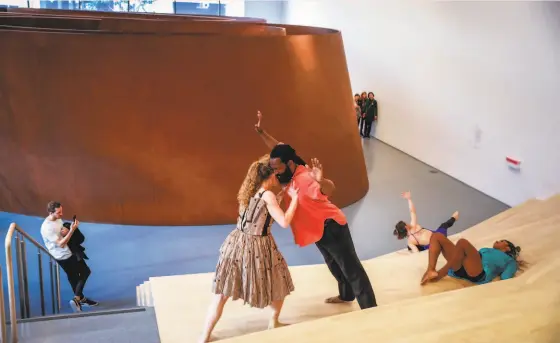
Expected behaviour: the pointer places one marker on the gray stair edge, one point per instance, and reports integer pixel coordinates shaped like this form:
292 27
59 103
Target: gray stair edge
79 315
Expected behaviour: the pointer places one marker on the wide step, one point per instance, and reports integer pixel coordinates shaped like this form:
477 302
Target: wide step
523 309
181 302
123 326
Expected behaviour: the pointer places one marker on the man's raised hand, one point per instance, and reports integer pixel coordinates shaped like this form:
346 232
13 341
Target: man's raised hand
316 169
258 124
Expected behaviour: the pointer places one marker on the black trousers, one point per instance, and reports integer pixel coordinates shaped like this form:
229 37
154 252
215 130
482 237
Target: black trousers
362 123
337 249
77 273
367 128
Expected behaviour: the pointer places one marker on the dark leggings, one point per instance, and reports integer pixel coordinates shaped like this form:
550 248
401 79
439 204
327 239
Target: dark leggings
362 123
367 127
77 273
449 223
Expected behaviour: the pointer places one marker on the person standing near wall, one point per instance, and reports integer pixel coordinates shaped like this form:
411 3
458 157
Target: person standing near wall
362 105
370 114
358 107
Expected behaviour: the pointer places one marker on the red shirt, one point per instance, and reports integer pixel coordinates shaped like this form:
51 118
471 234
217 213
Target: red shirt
313 209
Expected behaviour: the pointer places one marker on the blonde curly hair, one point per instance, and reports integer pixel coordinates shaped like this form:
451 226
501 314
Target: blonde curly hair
258 172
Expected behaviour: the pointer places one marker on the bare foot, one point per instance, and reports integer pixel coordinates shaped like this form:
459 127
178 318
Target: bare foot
429 275
455 215
335 300
274 324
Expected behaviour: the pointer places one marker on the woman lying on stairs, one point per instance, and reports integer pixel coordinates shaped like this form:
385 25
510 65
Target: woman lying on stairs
418 238
465 262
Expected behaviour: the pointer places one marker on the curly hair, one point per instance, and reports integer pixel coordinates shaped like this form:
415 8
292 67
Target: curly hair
514 252
258 172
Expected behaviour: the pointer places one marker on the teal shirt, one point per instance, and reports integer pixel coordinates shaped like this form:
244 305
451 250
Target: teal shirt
495 263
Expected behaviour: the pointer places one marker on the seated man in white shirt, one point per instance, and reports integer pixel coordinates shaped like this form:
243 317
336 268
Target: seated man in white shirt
57 245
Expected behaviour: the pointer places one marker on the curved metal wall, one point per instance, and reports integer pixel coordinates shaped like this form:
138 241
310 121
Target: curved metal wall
151 121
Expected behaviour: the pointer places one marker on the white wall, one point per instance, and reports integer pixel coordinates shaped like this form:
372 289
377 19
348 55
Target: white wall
460 85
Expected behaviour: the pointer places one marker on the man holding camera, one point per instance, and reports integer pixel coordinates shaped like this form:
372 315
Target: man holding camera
57 239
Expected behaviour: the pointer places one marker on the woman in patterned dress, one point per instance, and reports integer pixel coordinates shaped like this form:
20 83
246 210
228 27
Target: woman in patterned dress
250 266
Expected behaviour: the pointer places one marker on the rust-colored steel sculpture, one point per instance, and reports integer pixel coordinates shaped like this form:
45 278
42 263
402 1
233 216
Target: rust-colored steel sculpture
148 119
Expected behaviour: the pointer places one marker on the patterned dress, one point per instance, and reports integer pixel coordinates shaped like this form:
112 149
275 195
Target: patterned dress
250 266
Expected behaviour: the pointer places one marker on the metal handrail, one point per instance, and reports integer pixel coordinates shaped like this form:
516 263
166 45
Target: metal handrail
3 333
21 257
31 239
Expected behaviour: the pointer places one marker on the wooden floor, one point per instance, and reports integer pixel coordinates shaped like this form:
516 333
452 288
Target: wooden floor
524 309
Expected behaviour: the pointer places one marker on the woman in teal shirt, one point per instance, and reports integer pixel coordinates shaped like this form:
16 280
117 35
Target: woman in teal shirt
464 261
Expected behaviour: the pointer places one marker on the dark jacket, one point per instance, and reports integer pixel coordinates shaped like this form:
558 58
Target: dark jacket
363 103
371 110
75 243
359 102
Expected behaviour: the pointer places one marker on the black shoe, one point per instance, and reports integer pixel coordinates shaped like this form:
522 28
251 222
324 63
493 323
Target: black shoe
76 305
88 302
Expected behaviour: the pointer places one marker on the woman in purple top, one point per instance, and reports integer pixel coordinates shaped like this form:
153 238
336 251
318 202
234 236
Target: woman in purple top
419 237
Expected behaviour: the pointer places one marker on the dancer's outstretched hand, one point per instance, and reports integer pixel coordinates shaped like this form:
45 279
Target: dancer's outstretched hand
316 169
293 192
258 124
406 195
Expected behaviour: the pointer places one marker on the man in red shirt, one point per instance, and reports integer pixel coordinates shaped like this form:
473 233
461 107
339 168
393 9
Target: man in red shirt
319 221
